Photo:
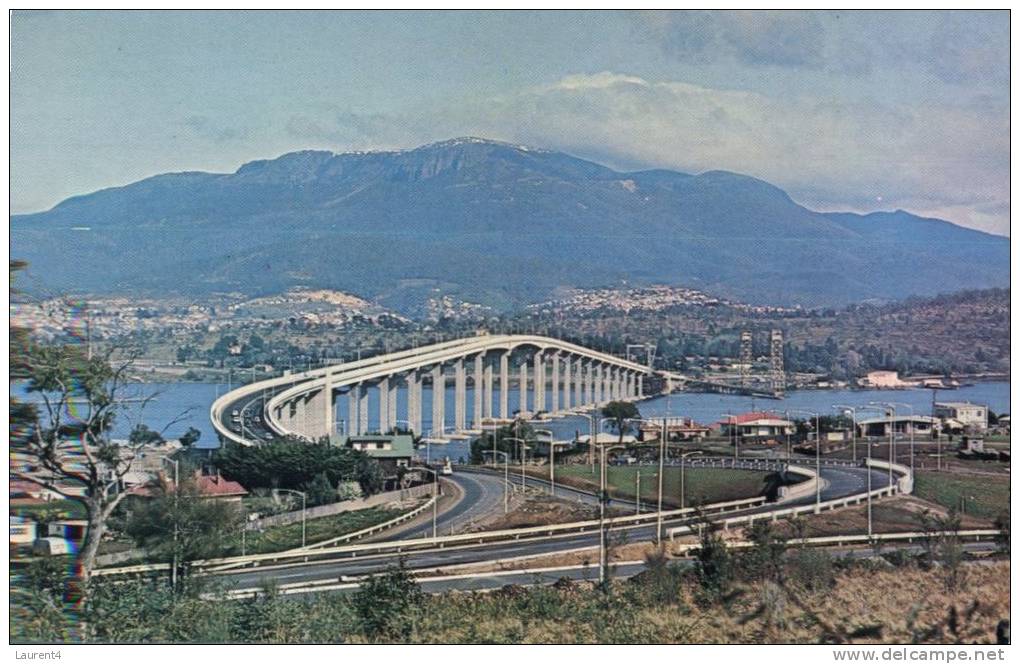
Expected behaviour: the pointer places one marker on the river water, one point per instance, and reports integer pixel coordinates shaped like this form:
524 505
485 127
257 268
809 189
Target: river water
177 406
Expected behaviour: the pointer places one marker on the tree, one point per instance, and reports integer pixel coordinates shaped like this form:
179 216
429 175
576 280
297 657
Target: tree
765 557
319 490
143 435
179 524
503 440
714 564
65 440
289 463
620 412
370 476
190 437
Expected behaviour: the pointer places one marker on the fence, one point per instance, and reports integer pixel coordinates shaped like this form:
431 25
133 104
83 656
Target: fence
343 506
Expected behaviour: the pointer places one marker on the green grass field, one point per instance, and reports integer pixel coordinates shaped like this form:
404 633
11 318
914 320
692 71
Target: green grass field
701 485
983 496
281 538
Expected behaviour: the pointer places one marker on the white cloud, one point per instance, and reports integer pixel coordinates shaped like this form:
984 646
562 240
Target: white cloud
950 161
825 152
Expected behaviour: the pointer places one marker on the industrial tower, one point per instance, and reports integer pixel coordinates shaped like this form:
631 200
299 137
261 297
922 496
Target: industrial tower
746 359
778 375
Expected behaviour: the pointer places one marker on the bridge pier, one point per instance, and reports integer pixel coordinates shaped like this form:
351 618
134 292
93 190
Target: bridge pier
414 401
589 382
539 381
392 398
554 395
522 386
362 409
352 409
460 392
487 382
504 385
384 403
479 389
438 398
578 382
330 406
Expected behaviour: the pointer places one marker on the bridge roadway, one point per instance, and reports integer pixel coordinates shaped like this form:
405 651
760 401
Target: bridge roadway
839 482
559 376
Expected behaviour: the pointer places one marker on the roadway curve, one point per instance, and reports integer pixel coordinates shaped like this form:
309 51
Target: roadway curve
841 481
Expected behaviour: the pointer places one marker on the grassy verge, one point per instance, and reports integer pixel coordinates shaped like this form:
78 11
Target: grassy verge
860 604
281 538
982 496
701 485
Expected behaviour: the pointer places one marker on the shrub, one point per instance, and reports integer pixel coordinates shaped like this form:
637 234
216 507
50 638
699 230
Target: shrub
714 566
387 605
812 569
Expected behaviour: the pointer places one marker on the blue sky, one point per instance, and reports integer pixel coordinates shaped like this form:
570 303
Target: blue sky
845 110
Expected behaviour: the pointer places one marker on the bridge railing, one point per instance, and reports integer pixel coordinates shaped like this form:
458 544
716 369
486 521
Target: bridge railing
386 365
900 487
399 546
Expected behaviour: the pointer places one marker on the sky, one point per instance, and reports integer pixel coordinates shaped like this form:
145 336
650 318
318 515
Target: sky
858 110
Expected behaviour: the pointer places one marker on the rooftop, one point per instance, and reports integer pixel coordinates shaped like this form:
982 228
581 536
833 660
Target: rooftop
401 445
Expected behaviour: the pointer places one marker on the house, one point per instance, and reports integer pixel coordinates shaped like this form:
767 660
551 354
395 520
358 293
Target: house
884 380
607 439
215 487
30 492
968 414
72 530
756 426
392 451
900 425
212 486
677 429
22 531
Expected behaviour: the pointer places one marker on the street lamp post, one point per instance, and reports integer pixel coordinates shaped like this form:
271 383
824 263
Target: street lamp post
868 464
818 456
523 445
428 444
853 429
892 436
177 493
552 459
734 434
506 478
603 496
664 431
435 501
912 424
683 457
495 429
304 505
662 460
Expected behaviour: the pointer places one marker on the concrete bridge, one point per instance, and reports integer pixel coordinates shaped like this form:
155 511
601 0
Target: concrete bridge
551 376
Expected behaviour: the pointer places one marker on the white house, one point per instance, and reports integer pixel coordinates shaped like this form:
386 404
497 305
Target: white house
966 413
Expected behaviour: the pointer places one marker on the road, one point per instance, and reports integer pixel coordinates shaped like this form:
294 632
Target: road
841 481
487 581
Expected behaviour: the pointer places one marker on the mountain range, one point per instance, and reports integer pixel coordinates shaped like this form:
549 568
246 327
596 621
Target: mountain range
491 223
